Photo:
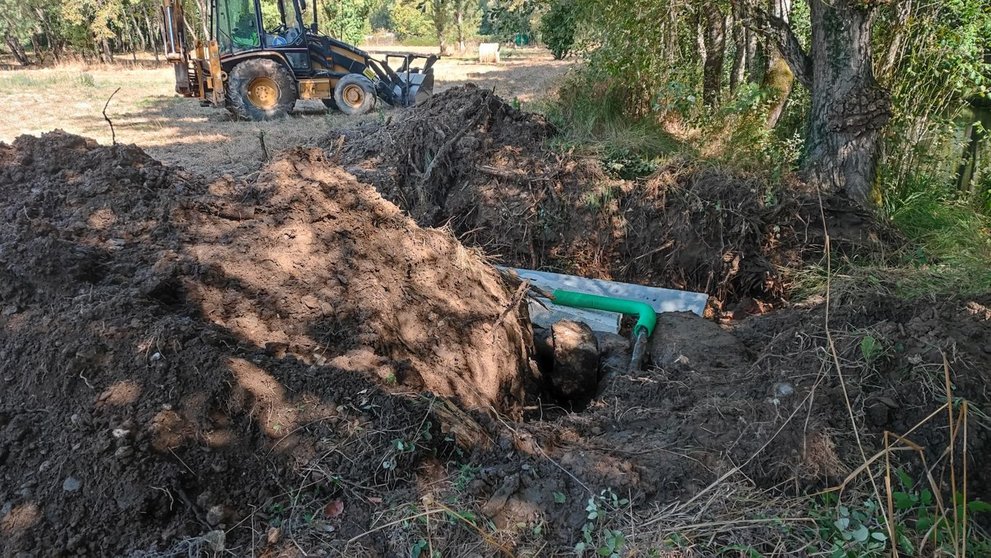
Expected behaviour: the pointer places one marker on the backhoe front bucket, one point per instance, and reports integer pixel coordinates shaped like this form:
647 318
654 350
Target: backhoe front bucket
408 85
418 86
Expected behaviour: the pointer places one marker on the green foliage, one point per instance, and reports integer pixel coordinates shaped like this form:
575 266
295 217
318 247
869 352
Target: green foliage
870 348
950 243
637 44
509 19
557 28
853 532
589 114
933 62
409 19
861 529
597 536
347 19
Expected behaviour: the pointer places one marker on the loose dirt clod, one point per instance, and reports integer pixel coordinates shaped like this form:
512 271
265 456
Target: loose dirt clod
189 349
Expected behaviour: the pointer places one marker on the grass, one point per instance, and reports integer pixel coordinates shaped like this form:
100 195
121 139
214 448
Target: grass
951 244
590 118
39 80
947 251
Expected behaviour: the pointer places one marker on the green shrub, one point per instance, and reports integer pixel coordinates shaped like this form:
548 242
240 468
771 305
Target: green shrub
408 20
557 28
589 114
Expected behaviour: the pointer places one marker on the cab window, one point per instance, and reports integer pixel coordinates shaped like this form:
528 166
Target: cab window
237 25
281 23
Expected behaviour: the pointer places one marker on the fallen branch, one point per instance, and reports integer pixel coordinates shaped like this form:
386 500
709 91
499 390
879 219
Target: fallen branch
113 135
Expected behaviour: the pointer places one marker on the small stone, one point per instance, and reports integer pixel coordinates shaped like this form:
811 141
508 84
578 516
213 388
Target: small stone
71 484
75 419
156 357
215 515
273 535
9 310
216 540
120 433
783 389
124 452
595 430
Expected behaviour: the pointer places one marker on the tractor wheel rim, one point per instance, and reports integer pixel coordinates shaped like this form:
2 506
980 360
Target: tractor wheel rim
353 95
263 92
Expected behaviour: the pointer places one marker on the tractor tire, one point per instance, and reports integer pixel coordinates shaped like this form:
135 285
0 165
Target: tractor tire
354 94
261 89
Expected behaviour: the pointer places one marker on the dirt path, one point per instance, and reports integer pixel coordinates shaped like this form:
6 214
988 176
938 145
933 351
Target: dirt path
178 131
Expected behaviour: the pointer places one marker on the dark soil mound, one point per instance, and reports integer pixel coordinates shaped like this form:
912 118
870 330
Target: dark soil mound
760 404
469 160
176 357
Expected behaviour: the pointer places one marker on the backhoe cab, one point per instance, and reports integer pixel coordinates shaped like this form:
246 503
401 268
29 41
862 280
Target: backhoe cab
257 63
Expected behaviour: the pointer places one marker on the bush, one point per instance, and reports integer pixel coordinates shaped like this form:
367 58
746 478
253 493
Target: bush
557 28
407 21
589 113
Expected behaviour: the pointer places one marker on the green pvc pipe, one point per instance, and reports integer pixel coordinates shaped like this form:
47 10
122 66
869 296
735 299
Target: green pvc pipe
646 316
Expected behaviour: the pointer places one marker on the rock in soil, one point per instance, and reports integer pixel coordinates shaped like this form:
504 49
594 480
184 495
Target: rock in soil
575 371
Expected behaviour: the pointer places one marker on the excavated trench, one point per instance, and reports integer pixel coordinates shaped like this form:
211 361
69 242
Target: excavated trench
183 361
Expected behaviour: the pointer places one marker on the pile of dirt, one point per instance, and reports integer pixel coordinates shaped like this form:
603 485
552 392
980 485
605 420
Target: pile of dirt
469 160
176 356
188 367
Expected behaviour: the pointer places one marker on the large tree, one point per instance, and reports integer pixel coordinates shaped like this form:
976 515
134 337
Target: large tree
849 108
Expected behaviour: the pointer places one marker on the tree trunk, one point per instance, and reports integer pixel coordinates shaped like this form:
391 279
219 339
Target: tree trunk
974 136
779 79
106 55
152 38
849 109
16 49
440 13
715 52
53 42
740 40
459 25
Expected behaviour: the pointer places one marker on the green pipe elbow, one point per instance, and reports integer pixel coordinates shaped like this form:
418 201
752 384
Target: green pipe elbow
646 316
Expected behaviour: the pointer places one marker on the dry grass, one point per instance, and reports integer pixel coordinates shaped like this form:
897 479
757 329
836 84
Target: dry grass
178 131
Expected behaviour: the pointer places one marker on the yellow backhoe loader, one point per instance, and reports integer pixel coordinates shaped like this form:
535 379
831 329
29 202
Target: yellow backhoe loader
258 66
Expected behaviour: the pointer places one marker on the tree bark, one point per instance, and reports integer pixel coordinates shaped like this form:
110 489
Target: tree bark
740 39
715 51
106 55
54 44
849 109
16 49
440 16
152 35
779 79
459 23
